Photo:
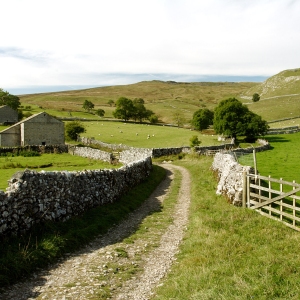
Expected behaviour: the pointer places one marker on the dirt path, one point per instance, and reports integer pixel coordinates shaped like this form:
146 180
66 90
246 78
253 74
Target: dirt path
109 268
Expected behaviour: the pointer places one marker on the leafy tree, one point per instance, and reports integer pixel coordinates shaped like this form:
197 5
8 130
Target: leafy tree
233 118
110 102
194 141
255 97
73 129
140 112
202 118
10 100
88 105
153 119
178 118
124 109
100 112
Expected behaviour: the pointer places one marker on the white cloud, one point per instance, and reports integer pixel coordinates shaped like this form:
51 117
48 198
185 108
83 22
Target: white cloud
68 42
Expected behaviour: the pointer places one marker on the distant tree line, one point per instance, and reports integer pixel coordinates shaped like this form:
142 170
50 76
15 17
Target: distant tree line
127 109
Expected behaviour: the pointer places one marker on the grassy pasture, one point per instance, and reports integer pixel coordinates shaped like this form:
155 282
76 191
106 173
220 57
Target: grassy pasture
47 162
136 135
283 160
285 123
277 108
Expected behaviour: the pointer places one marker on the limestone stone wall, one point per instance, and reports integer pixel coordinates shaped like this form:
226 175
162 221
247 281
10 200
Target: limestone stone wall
34 197
230 172
230 175
91 153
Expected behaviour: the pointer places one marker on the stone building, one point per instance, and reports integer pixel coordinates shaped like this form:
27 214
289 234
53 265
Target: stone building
8 115
39 129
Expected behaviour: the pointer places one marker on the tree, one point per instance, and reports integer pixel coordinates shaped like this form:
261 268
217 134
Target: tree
202 118
10 100
194 141
255 97
88 105
178 118
110 102
233 118
153 119
124 109
140 112
100 112
73 129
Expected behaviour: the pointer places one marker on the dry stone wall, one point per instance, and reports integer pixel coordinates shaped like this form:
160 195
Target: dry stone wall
34 197
230 175
230 172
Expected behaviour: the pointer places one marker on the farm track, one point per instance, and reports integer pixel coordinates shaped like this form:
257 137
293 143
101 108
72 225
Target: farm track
109 268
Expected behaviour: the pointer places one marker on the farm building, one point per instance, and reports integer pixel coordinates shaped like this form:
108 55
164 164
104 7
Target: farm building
8 115
39 129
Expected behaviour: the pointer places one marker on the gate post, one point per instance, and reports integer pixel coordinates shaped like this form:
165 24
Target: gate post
244 200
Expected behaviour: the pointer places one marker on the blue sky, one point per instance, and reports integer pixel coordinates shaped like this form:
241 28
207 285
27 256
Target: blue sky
100 42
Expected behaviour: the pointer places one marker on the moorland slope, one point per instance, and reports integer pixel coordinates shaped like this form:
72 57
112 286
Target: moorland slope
280 97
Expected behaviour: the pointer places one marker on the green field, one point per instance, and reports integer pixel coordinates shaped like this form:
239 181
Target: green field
283 160
47 162
136 135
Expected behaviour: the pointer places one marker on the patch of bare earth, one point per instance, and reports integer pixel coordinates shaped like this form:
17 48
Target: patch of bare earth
112 267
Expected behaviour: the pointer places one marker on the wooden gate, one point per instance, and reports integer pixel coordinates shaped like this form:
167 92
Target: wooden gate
274 198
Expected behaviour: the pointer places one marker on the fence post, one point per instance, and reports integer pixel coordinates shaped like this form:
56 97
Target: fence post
254 160
244 200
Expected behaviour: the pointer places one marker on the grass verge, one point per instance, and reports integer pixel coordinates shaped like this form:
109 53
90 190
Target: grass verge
21 256
230 252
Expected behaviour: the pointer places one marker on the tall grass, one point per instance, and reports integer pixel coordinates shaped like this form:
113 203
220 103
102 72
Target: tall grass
230 252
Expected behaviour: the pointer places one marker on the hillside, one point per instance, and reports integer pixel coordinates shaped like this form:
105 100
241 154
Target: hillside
282 84
280 96
164 98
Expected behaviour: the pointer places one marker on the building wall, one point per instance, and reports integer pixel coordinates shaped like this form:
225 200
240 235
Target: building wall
8 115
42 130
10 137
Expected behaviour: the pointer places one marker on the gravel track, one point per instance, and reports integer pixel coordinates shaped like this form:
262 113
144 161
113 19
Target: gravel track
108 268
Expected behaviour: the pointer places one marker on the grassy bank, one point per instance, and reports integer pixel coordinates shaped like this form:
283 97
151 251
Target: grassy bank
230 252
20 256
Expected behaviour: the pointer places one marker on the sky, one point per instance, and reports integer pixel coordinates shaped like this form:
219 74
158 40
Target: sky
99 42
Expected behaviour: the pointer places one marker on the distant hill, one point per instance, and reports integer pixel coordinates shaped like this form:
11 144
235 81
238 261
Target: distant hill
165 98
282 84
280 96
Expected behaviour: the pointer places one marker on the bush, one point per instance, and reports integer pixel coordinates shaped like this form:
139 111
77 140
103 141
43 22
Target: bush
194 141
73 129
